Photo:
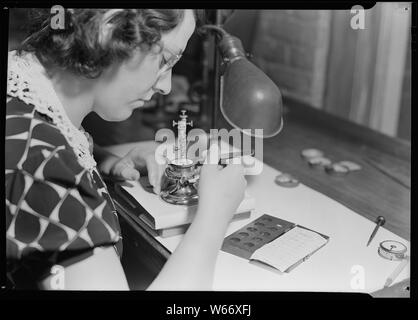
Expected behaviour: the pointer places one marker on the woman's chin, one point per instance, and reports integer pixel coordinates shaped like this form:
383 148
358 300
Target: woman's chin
122 115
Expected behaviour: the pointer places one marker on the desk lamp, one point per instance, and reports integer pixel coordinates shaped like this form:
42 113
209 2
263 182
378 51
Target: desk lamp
248 98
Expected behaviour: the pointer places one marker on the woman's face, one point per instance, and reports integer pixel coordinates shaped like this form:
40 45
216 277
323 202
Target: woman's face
125 87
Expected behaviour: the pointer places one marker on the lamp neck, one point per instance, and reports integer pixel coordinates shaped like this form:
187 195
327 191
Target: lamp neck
231 48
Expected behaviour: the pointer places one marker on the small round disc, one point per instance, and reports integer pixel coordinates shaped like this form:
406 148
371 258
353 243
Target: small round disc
336 169
393 246
352 166
286 180
392 250
319 162
311 153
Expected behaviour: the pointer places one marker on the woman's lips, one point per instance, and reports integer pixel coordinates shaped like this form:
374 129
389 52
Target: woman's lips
137 103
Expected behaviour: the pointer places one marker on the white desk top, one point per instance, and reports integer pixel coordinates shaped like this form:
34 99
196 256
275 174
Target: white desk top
337 267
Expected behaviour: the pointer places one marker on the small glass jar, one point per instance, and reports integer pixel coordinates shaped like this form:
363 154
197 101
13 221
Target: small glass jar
179 184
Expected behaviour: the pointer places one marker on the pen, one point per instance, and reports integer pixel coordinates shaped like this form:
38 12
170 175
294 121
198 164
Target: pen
397 271
380 221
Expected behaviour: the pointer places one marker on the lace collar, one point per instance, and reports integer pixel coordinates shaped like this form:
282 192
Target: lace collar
27 80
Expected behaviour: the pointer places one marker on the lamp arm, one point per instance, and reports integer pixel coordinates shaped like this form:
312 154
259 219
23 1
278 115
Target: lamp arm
230 47
213 27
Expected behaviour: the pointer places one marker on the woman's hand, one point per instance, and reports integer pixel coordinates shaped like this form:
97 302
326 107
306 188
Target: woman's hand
221 190
129 166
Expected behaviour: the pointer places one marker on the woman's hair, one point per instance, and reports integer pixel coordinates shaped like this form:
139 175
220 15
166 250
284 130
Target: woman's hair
93 39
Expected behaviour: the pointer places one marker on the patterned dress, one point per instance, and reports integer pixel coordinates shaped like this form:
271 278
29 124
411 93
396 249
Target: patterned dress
57 211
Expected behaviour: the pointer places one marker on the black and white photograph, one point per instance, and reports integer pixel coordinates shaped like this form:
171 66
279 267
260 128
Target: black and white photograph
208 150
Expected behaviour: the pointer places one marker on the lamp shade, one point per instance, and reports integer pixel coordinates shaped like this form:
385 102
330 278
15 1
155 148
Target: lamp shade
249 99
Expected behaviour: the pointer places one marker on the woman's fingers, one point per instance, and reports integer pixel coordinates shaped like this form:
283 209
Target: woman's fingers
155 173
125 169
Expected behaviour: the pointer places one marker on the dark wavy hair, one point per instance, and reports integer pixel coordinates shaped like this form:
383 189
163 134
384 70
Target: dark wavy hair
94 39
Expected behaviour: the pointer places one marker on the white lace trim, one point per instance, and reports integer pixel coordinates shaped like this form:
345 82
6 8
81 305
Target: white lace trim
27 80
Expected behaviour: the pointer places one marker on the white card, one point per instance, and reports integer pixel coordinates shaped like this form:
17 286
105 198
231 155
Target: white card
290 248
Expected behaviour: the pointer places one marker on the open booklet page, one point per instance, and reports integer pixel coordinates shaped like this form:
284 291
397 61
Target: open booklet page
290 248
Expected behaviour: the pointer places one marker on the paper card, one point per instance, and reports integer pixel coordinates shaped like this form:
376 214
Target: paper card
290 248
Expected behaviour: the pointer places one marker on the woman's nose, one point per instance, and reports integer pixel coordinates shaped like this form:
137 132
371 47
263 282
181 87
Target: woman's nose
163 84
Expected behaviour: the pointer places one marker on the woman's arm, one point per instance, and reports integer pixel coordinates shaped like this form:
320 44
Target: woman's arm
190 267
101 271
106 160
192 264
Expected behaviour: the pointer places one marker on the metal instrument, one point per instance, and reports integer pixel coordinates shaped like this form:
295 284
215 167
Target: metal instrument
179 182
380 221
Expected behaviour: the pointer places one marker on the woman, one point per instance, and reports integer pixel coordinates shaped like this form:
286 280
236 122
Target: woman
58 212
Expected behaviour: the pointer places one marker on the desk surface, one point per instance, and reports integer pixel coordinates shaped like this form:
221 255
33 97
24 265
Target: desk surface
334 268
382 188
370 192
